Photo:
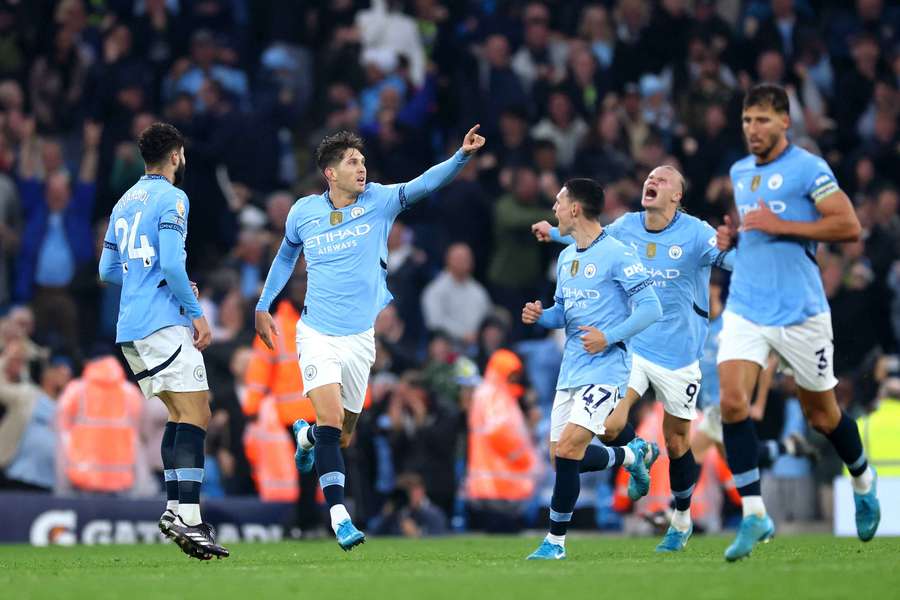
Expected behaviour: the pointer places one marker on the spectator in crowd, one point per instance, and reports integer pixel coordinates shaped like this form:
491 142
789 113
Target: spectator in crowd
27 436
423 438
454 302
409 512
57 238
516 264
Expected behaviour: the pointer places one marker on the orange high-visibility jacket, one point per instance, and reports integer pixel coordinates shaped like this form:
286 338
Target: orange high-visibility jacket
97 419
270 452
276 373
502 458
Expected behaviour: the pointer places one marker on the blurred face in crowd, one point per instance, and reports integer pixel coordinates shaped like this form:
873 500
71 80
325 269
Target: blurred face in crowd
560 109
526 186
764 128
537 22
56 377
57 191
770 66
277 208
51 155
349 174
22 317
459 261
662 189
512 129
496 51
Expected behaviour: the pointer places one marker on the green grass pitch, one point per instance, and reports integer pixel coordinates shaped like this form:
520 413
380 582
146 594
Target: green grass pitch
462 568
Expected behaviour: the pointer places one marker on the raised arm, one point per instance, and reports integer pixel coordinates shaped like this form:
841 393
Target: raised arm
442 173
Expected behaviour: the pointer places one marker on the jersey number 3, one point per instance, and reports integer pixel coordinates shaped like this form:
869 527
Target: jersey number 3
145 251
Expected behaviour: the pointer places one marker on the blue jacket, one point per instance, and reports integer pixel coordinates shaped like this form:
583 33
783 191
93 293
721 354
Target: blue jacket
77 219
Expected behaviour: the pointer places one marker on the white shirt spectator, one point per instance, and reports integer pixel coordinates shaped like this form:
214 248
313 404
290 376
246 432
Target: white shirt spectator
455 302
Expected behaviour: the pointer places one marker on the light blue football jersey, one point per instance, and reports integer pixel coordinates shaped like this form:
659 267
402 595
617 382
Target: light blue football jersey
709 391
594 286
346 250
678 260
147 303
776 280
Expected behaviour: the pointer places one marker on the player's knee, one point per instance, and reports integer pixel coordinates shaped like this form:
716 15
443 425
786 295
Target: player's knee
331 418
735 405
677 445
570 450
822 420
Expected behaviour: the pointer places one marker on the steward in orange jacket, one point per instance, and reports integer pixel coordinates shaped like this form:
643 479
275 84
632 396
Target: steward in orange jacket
97 419
276 373
502 457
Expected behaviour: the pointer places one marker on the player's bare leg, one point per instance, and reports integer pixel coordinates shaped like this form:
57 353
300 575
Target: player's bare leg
332 429
825 416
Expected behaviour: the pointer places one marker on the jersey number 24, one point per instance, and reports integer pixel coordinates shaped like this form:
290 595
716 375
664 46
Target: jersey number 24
145 251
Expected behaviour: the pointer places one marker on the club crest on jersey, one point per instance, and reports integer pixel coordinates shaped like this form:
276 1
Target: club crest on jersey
651 250
675 252
574 268
590 271
357 211
179 206
336 217
775 181
754 185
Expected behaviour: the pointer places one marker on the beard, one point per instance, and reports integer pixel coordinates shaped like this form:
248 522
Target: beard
179 173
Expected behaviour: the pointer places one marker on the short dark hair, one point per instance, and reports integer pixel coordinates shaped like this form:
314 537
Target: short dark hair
157 141
332 148
588 193
766 94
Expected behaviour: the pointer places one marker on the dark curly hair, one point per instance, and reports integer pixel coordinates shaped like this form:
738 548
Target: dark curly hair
157 141
332 148
768 95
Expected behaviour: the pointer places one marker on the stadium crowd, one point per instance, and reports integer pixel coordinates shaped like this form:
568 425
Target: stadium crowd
606 89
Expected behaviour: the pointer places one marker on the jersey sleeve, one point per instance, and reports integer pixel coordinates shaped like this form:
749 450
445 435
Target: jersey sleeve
629 272
821 181
292 226
174 213
708 250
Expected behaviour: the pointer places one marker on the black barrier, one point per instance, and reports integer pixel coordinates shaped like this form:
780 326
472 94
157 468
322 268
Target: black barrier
42 519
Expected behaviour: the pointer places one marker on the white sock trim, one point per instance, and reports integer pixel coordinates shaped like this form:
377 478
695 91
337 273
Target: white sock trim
681 520
863 483
629 457
753 505
559 540
339 514
190 514
303 439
